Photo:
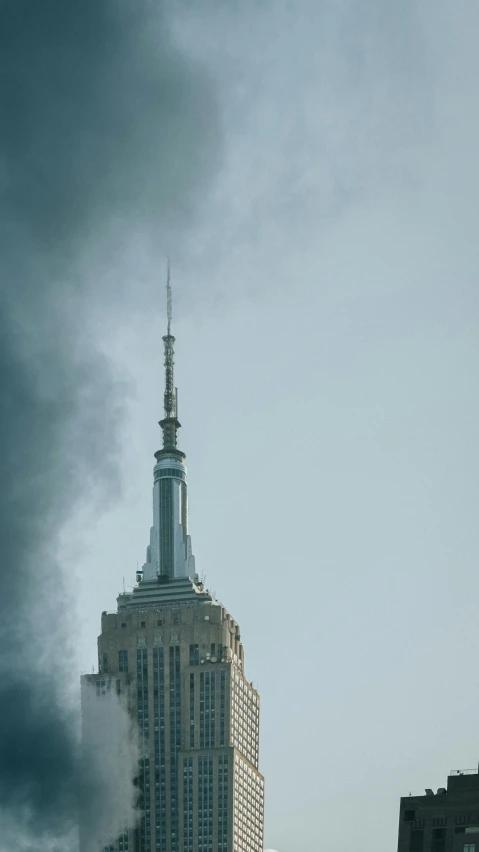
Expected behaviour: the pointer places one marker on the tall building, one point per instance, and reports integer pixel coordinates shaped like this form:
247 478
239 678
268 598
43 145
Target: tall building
174 655
447 821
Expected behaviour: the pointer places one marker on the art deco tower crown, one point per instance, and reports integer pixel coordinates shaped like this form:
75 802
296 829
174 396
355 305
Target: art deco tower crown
169 553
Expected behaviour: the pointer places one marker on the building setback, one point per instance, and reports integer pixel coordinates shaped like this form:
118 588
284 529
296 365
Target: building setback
174 655
447 821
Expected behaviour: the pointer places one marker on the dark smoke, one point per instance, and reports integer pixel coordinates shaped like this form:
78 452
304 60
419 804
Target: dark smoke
104 126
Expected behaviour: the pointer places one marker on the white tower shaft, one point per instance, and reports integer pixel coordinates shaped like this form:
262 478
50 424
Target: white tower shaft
169 553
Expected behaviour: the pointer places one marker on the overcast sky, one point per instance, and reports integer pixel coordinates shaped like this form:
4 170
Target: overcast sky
325 308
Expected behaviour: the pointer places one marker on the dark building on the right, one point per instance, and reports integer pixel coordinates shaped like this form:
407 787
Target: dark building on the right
446 821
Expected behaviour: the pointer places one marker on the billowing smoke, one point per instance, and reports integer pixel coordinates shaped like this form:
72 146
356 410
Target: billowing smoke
104 126
110 761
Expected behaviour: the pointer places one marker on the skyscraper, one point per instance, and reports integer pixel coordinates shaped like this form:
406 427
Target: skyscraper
174 654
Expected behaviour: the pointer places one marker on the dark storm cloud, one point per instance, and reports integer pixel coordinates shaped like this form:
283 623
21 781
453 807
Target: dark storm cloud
99 112
102 123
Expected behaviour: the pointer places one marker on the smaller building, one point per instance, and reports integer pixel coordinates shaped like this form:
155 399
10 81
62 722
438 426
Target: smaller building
445 821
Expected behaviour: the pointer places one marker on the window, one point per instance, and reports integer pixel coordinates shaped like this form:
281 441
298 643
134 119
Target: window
438 840
159 623
469 847
123 623
123 661
192 711
409 816
416 841
166 526
163 472
175 739
143 624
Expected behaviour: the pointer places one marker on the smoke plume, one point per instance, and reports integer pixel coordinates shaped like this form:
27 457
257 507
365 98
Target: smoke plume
105 126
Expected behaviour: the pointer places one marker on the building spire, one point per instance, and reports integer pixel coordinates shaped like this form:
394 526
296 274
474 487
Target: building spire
168 295
170 423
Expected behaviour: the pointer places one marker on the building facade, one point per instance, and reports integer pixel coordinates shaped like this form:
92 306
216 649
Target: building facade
446 821
173 654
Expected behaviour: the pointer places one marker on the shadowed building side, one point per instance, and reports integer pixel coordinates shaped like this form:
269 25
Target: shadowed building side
445 821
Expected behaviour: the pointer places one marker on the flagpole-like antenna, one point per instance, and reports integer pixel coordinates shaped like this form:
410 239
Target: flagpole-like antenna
170 423
168 297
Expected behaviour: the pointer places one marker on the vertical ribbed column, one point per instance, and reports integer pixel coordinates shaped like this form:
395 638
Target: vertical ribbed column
144 828
160 760
175 740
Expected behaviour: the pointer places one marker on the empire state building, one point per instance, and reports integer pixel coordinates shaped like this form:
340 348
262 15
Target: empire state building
174 655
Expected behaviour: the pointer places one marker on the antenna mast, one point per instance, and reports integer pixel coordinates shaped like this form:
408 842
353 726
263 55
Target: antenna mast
168 297
169 424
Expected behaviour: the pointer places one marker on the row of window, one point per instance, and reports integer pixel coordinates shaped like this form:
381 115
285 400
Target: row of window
222 706
162 472
245 727
438 841
188 804
248 821
245 687
192 711
195 653
159 622
175 739
463 819
207 709
205 803
144 803
123 657
223 803
160 767
166 527
123 842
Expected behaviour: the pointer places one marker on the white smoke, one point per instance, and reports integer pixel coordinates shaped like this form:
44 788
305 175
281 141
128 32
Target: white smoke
110 752
16 838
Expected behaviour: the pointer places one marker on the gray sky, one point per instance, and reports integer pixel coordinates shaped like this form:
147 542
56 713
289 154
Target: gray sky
327 360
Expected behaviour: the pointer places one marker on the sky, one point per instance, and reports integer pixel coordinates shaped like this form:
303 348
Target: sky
311 169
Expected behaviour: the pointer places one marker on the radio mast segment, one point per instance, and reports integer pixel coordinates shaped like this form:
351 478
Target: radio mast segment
168 297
